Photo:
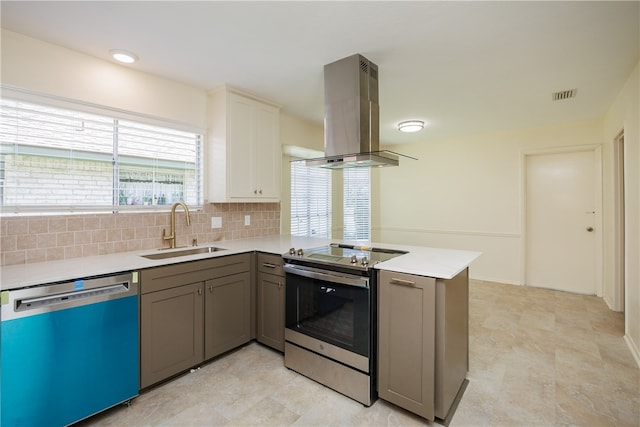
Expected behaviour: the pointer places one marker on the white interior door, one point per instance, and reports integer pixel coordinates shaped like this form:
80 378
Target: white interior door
560 250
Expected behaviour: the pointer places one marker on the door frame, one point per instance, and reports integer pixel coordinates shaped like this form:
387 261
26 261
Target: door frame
598 222
619 223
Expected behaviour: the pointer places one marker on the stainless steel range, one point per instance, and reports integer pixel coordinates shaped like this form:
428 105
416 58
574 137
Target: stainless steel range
331 316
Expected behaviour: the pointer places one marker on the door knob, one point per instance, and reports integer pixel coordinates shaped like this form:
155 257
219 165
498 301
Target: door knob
589 229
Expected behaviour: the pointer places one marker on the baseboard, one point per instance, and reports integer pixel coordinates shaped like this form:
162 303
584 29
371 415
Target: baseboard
634 349
495 280
611 305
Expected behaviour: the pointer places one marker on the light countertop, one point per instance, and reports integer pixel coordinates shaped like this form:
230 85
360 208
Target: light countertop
423 261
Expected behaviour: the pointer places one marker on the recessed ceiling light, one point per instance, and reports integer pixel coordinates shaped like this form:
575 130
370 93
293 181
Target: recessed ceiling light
411 126
123 56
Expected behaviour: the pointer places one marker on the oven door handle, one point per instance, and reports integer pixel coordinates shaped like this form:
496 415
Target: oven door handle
327 276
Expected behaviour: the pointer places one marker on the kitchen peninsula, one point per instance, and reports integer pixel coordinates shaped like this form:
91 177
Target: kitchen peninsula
442 298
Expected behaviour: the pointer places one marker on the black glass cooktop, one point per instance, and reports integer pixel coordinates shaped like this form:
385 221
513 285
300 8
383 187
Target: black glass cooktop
345 255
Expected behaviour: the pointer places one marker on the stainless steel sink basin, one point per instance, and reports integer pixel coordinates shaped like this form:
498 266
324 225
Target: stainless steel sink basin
183 252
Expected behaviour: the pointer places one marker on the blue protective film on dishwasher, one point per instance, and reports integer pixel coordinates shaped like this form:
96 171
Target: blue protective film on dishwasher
66 365
78 285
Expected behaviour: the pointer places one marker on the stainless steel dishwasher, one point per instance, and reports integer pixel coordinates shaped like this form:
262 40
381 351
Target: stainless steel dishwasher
68 349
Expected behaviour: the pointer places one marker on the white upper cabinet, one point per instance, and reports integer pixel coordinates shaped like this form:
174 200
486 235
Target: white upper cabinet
243 148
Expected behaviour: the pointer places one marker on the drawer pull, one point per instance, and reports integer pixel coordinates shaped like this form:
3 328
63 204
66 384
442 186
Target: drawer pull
269 265
395 281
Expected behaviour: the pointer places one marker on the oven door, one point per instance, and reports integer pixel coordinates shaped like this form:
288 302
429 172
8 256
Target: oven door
329 306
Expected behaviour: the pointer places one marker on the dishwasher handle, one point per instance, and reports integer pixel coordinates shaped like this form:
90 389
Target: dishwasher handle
35 300
78 296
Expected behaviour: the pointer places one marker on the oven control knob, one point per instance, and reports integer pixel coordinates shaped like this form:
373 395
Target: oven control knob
364 261
300 252
292 251
354 259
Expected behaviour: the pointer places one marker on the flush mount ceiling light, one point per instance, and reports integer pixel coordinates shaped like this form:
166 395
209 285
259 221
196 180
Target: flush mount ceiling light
123 56
411 126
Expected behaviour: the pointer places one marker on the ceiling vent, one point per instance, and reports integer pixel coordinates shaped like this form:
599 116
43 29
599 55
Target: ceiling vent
565 94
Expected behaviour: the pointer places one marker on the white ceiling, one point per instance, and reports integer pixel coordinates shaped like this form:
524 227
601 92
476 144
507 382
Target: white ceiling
464 67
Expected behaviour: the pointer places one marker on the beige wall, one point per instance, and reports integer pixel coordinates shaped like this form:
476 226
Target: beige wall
466 193
625 115
45 68
301 134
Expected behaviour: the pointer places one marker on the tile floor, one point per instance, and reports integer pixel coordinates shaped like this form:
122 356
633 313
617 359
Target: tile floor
537 358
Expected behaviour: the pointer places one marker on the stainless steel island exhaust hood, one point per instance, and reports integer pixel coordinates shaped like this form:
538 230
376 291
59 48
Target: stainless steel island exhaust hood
351 116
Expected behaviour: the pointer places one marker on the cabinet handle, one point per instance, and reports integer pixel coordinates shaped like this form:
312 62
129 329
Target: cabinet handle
255 191
395 281
268 265
211 289
279 285
199 291
260 191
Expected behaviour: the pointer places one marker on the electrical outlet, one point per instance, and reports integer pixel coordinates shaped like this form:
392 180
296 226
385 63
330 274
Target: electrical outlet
216 222
247 220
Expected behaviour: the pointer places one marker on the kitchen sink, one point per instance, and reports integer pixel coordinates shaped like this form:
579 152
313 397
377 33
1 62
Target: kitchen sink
183 252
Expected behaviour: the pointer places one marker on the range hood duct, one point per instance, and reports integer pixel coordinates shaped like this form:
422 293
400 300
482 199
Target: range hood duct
351 116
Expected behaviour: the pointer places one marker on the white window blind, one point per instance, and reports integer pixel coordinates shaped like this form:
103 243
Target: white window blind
310 201
58 159
357 204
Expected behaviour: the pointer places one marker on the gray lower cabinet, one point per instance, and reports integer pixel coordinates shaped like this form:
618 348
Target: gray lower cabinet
171 332
271 301
406 333
227 313
192 311
452 339
423 333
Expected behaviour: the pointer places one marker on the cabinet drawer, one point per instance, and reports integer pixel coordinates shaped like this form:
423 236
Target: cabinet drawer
169 276
271 264
405 279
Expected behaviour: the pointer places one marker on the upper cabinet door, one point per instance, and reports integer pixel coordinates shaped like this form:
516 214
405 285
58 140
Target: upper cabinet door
267 152
244 149
240 143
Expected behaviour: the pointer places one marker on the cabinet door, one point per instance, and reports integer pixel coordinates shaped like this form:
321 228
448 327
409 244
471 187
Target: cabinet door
271 310
406 355
267 152
240 147
227 313
245 153
170 332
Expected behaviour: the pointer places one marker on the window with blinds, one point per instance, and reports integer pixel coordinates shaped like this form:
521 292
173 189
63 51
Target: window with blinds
310 201
57 159
356 204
